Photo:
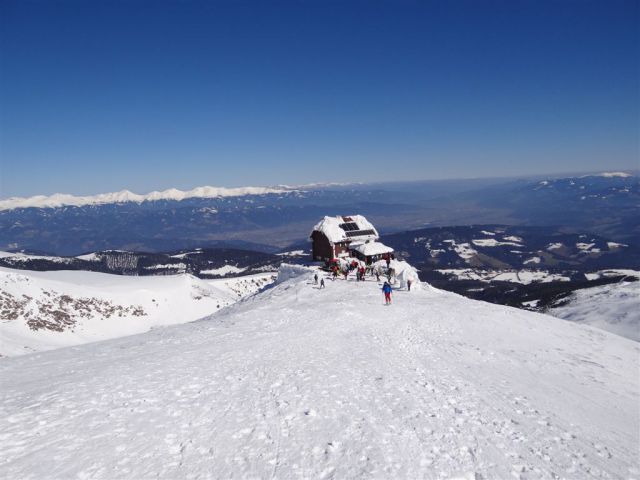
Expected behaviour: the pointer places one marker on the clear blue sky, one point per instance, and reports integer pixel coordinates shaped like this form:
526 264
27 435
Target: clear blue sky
99 96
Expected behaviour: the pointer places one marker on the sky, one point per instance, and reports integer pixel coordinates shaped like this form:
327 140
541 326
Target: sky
108 95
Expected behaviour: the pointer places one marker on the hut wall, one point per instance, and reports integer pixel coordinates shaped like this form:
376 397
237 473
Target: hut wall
321 249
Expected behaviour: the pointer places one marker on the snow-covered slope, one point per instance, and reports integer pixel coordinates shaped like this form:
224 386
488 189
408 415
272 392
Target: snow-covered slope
45 310
614 307
302 382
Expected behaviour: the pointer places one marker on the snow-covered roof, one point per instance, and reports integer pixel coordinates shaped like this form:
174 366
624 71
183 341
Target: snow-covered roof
372 248
347 227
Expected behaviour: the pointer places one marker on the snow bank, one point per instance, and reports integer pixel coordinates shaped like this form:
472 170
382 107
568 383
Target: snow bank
403 272
288 271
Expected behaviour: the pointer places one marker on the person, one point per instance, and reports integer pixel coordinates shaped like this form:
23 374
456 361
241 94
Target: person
377 275
322 283
386 288
409 285
315 279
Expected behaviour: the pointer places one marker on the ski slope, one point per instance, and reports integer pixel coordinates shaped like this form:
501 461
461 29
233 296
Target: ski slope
299 382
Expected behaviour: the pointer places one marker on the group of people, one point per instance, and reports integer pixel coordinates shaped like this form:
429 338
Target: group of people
360 272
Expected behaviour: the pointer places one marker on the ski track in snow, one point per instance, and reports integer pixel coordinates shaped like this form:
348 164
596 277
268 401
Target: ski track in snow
308 383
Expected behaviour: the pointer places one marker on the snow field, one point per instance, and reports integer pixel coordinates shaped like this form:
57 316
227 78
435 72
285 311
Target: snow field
303 382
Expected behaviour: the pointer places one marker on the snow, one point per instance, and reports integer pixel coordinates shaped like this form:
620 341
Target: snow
186 254
615 308
330 226
89 257
524 277
484 232
492 242
371 248
463 250
527 277
616 245
532 260
96 306
224 270
174 266
60 199
292 253
513 238
609 175
554 246
23 257
612 273
298 382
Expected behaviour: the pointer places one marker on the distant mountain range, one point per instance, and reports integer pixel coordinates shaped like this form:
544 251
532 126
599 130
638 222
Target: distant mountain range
270 218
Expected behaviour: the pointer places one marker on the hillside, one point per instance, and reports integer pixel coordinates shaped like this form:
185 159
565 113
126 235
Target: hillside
45 310
615 308
303 382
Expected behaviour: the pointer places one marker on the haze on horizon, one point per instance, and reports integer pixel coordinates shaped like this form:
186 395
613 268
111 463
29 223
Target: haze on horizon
101 97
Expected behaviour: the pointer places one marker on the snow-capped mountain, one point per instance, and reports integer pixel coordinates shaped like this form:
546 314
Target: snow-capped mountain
305 382
44 310
124 196
275 217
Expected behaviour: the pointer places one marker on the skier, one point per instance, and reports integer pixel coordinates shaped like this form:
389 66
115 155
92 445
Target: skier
386 288
409 285
322 283
315 279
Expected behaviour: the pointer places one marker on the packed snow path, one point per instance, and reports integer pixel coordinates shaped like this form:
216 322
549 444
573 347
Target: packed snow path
309 383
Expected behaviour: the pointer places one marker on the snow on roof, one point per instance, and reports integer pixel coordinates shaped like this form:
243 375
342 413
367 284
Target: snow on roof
372 248
332 227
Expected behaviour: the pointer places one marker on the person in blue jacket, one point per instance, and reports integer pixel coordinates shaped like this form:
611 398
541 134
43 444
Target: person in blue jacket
386 289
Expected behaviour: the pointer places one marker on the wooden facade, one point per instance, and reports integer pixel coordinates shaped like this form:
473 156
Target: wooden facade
322 248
